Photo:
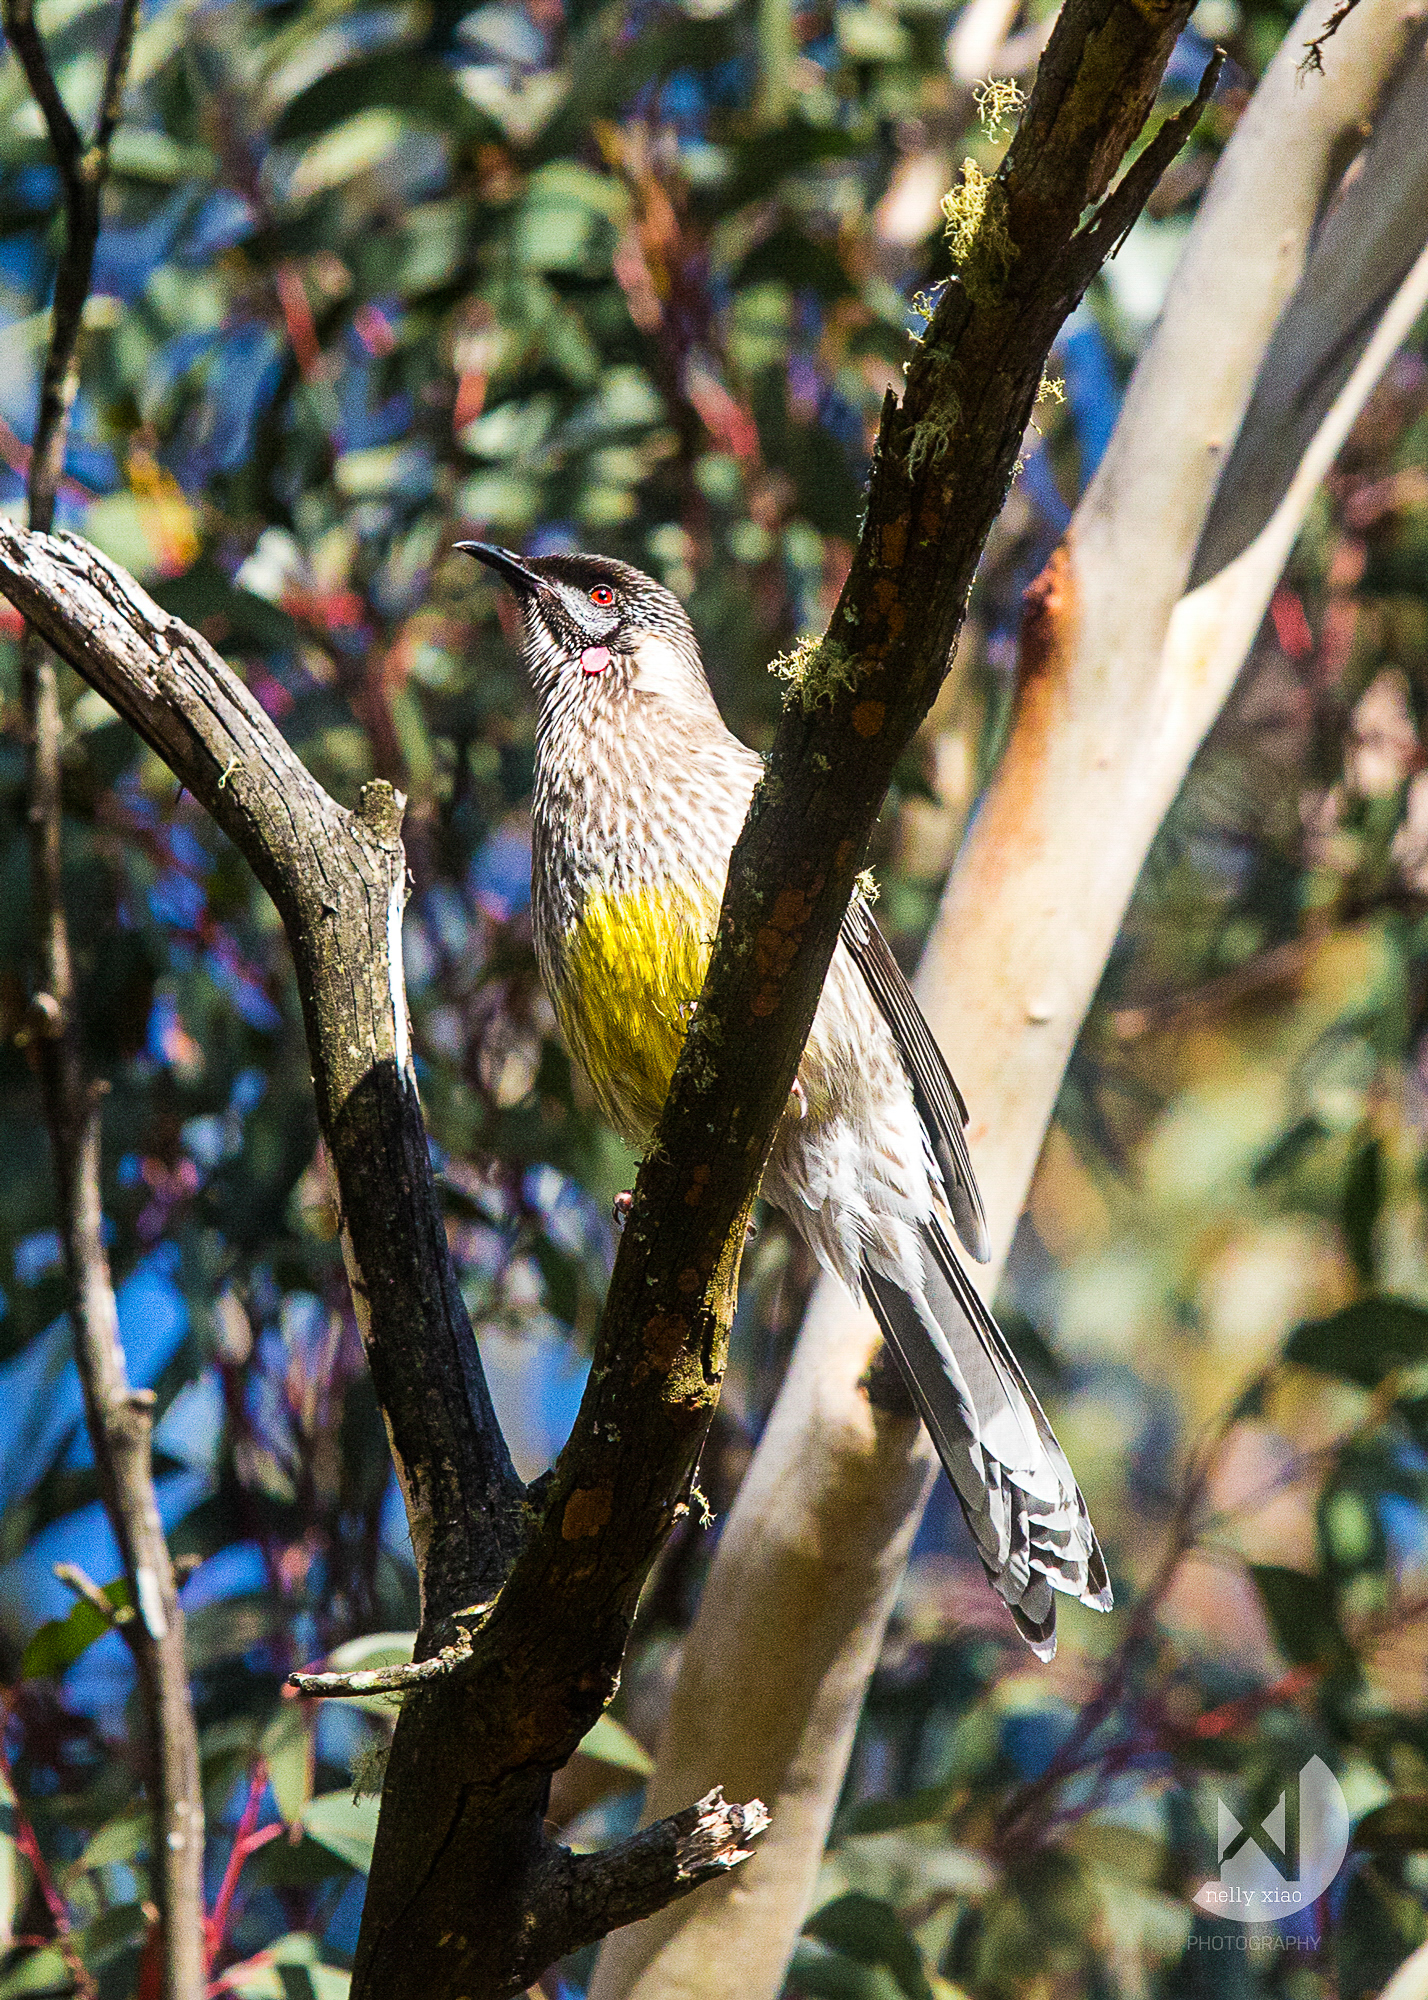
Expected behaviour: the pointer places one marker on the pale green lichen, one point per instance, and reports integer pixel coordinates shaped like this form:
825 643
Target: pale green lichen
814 670
1051 389
933 434
997 100
369 1769
932 438
866 888
977 232
924 304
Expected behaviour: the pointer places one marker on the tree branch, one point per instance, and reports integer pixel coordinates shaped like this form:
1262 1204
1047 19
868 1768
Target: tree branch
118 1418
586 1896
1110 713
338 881
548 1581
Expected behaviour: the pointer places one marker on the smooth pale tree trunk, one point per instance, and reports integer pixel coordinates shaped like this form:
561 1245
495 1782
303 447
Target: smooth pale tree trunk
1132 643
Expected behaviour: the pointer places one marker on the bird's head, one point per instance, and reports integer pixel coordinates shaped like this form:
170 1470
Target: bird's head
592 624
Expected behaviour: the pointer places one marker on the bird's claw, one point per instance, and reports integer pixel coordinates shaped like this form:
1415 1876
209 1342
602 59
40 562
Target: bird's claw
797 1098
620 1208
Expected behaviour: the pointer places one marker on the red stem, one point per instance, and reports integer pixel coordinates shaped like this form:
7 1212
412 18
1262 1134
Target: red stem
248 1837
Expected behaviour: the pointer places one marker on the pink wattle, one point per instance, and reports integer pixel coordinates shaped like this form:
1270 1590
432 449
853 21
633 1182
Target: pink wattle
595 659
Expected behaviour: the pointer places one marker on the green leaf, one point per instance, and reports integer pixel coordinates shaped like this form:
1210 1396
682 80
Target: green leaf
1303 1617
39 1972
373 1649
345 1826
1364 1342
59 1643
770 156
869 1931
141 155
867 34
359 142
1399 1826
817 1972
429 248
286 1745
609 1742
382 468
389 79
567 218
117 1840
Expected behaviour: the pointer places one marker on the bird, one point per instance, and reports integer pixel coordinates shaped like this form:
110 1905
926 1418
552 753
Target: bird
640 793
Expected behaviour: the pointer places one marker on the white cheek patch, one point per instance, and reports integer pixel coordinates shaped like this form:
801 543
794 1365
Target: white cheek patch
659 668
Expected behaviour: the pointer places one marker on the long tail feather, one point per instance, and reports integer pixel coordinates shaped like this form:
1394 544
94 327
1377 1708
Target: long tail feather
1018 1494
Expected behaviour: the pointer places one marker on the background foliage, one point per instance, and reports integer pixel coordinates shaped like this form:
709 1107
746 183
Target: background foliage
636 277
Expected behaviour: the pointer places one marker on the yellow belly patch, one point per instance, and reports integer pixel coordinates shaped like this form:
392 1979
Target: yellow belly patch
631 971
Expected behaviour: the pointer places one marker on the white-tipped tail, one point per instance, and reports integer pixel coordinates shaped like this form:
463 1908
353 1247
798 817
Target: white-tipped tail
1018 1494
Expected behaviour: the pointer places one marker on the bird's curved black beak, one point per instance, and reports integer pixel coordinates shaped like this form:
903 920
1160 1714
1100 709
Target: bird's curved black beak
522 580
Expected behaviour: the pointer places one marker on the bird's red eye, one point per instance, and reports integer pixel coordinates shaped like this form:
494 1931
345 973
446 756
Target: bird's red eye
602 595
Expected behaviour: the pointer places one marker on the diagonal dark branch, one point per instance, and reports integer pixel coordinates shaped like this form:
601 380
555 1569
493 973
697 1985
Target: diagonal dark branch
24 38
119 1418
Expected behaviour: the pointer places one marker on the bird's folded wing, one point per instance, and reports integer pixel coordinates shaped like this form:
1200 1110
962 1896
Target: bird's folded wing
939 1102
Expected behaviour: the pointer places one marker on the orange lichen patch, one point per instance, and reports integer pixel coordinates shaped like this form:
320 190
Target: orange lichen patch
791 907
894 542
663 1340
774 948
689 1281
897 618
885 595
698 1182
868 717
776 943
586 1512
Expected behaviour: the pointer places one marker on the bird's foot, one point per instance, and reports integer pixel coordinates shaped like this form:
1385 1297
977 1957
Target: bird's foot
797 1099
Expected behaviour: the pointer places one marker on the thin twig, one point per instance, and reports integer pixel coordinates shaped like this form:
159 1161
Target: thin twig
380 1680
118 1417
83 1586
1313 59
